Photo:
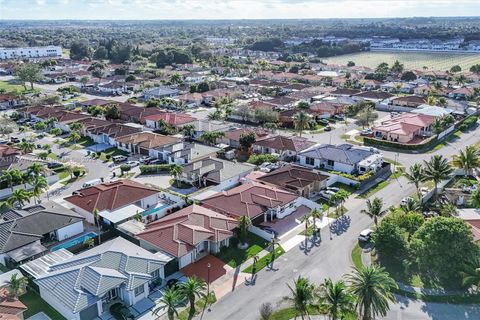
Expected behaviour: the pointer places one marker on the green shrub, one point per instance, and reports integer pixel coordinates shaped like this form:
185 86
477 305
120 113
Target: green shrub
158 168
258 159
124 168
77 173
468 123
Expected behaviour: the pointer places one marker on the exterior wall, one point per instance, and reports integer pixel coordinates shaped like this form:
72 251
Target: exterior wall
261 233
70 231
2 258
30 52
342 167
84 213
150 201
5 193
50 299
132 299
185 260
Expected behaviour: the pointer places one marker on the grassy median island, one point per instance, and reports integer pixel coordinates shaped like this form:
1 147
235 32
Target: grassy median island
234 256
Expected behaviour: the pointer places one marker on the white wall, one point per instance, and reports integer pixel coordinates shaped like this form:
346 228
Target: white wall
150 201
261 233
84 213
185 260
5 193
134 299
70 231
53 301
342 167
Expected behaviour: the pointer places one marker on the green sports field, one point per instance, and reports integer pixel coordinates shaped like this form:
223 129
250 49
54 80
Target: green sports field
412 60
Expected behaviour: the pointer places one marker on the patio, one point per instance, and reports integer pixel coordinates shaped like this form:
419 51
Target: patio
286 224
218 268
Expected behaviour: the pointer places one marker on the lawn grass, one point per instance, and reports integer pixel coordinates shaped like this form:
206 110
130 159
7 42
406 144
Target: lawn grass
9 86
345 187
379 186
112 152
63 174
265 260
234 256
399 171
36 304
199 305
52 156
357 256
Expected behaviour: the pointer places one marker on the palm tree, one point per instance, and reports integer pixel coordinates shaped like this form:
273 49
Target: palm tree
410 205
175 170
301 121
335 299
474 200
188 130
16 286
36 169
244 223
372 288
302 295
26 146
39 185
76 126
19 196
471 273
193 288
467 160
416 176
170 300
316 214
436 170
96 218
374 209
74 136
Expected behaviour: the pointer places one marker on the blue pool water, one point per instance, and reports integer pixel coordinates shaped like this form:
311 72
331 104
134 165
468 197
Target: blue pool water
75 241
154 210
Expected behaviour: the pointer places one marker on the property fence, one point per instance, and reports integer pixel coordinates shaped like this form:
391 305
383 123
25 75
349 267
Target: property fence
261 233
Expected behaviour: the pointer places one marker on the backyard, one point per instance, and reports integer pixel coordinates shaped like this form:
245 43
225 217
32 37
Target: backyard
411 60
36 304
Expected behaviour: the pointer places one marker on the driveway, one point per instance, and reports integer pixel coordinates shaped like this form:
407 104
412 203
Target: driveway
286 224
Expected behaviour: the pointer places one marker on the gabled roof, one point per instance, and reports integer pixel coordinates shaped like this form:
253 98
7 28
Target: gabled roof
214 169
148 140
235 134
110 196
250 199
180 232
292 177
406 123
82 280
295 144
173 119
21 227
343 153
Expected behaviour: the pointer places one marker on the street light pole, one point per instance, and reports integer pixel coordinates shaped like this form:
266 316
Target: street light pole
208 284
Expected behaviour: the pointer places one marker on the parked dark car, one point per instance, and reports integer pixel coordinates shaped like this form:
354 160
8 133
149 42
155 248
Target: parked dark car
53 165
120 311
269 230
14 139
327 128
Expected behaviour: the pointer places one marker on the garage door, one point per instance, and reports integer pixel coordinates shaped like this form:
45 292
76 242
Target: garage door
89 313
185 260
144 152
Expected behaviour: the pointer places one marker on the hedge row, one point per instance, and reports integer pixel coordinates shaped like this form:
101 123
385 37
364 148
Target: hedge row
468 123
157 168
432 141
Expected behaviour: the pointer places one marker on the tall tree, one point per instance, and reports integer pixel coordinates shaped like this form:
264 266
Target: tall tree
436 170
29 72
335 299
302 295
301 121
416 176
374 209
467 160
39 185
16 285
19 196
244 223
372 288
193 288
170 300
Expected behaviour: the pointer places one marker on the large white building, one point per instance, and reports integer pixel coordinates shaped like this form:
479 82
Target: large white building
30 52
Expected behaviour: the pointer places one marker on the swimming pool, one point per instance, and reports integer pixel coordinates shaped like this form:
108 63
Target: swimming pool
74 241
155 210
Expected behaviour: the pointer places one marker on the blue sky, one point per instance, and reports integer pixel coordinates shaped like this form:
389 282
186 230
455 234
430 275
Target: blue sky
232 9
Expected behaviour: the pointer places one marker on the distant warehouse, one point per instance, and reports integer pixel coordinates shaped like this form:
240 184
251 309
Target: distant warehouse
30 52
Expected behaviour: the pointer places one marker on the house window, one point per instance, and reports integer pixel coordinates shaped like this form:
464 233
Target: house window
330 163
310 161
155 274
139 290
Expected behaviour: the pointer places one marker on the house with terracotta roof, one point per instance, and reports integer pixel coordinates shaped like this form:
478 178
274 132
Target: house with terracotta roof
11 308
303 181
145 143
8 155
121 200
191 100
285 147
110 133
175 120
461 93
257 201
189 234
405 128
232 137
408 101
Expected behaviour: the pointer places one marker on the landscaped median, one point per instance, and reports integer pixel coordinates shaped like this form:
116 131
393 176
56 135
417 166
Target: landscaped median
415 293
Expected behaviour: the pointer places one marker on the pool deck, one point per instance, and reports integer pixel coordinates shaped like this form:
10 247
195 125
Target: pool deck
87 228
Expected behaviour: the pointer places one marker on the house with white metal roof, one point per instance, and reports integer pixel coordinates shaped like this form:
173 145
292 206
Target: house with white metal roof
84 286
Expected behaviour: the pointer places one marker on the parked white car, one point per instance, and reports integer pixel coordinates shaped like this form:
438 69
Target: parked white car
365 235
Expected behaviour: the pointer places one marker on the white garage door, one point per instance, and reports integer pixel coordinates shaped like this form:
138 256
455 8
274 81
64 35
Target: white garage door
185 260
